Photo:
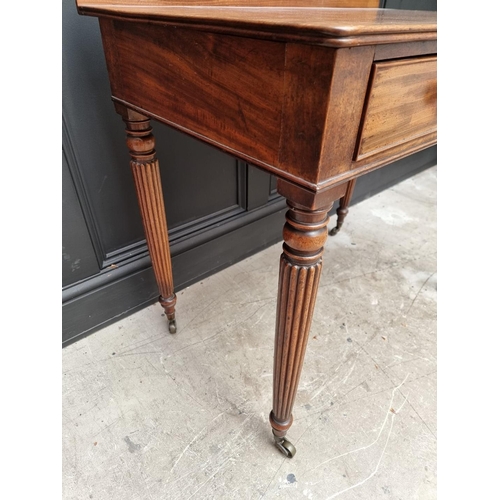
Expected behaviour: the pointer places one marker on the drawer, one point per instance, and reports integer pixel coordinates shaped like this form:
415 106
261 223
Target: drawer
400 106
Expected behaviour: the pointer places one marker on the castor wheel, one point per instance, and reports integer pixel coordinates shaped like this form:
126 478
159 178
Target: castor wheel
287 448
172 326
334 231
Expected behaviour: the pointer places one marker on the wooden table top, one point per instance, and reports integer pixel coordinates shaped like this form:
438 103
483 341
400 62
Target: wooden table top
308 90
317 22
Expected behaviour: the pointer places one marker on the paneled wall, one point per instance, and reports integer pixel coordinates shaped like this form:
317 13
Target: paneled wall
219 210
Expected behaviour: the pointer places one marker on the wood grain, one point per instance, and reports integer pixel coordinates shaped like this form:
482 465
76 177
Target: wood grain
304 235
296 93
324 94
336 27
292 109
241 3
188 78
313 200
401 105
400 50
146 172
351 75
307 83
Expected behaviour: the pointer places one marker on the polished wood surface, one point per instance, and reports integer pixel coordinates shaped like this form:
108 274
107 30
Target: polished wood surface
400 50
304 235
302 92
193 75
320 119
241 3
343 208
401 104
336 27
291 109
146 172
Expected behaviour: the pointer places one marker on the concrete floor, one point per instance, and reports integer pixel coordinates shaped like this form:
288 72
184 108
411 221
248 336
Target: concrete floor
149 415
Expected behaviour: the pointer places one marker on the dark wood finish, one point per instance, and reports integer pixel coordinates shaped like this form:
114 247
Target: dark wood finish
335 27
291 109
304 235
298 114
400 50
146 172
190 88
401 105
384 157
311 199
343 208
324 92
244 3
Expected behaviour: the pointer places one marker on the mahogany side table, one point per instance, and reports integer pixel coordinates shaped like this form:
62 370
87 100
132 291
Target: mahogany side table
311 92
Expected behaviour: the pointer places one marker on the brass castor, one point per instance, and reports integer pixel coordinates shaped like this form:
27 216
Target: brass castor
172 326
341 215
287 448
334 231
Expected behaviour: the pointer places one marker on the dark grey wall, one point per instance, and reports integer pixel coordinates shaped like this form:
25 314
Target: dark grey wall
410 4
219 210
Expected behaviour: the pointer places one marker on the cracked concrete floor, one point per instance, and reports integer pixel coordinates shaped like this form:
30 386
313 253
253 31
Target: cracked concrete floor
149 415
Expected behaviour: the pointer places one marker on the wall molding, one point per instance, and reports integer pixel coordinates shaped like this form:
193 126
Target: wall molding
104 298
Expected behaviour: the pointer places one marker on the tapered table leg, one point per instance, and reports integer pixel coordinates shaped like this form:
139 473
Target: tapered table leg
304 234
146 172
343 209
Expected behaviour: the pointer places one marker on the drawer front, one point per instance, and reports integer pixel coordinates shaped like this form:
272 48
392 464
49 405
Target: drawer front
400 106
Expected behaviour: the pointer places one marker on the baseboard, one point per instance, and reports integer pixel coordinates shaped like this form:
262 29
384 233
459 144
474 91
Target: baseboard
105 299
110 296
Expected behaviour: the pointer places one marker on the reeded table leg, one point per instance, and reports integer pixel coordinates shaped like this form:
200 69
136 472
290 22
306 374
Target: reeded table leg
304 234
146 171
343 209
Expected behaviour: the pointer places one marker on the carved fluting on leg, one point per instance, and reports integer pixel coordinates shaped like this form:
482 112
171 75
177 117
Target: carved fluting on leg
305 233
343 209
295 316
146 172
